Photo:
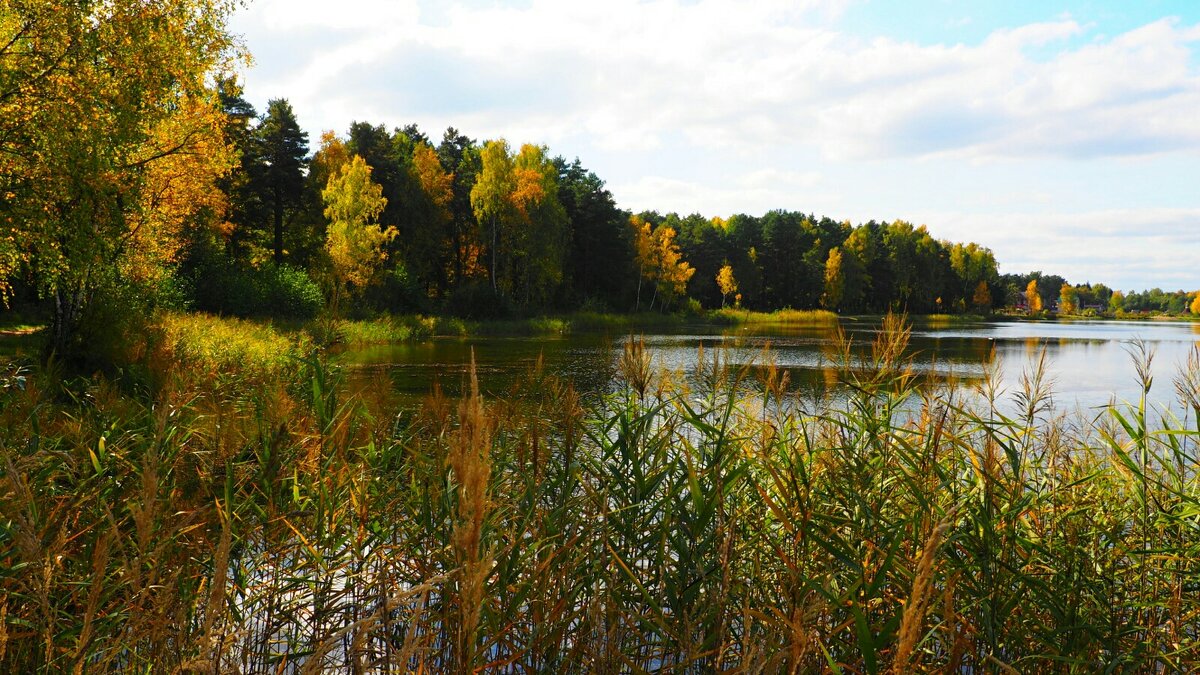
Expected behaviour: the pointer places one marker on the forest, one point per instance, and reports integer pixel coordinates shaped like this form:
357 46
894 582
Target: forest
126 191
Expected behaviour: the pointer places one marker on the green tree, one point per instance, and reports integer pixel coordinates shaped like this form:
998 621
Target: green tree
972 264
427 243
704 243
460 158
246 209
600 256
282 149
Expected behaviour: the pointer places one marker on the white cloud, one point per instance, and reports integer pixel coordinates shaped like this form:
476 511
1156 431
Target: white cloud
726 74
1124 248
356 15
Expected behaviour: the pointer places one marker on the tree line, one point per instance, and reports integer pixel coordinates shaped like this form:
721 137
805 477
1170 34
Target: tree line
483 227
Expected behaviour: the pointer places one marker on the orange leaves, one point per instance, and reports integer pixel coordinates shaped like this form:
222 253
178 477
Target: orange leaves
528 190
1032 297
436 183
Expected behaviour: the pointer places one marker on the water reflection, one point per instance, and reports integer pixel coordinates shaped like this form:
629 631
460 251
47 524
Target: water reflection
1086 361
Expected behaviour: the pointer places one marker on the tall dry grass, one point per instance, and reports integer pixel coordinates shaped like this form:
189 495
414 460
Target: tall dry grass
700 524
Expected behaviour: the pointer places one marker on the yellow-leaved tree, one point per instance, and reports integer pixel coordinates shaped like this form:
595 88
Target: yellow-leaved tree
725 282
1195 306
1068 299
835 280
1116 302
111 141
982 299
516 200
659 261
490 199
354 238
1032 297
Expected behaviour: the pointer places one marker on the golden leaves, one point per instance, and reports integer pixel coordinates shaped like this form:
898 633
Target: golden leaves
354 242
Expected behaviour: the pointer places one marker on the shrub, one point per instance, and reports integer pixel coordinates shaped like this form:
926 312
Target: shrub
283 291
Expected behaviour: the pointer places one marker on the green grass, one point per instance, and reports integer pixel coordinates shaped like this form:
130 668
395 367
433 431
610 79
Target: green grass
224 348
707 526
384 330
779 317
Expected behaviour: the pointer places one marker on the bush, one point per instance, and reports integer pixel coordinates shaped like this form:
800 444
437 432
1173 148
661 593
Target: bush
282 291
290 292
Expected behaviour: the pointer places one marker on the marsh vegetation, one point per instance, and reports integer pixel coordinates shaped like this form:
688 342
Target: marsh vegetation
255 520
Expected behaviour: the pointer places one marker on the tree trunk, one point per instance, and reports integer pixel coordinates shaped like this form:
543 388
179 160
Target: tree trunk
638 302
68 306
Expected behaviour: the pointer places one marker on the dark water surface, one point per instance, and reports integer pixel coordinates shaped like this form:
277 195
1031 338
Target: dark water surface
1088 362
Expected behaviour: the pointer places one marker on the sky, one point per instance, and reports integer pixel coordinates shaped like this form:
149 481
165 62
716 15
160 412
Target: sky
1065 136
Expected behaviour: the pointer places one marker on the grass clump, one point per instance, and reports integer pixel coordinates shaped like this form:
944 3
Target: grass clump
731 316
224 348
385 330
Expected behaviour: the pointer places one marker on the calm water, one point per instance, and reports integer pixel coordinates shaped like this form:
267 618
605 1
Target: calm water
1089 363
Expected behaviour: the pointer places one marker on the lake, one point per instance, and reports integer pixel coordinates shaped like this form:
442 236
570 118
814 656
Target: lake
1088 362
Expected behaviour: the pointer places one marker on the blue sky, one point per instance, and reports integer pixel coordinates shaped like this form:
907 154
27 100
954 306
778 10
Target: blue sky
1064 136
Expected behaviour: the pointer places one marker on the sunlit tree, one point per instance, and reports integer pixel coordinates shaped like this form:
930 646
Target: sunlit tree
659 262
1032 297
354 239
725 282
490 198
1068 299
834 280
1116 302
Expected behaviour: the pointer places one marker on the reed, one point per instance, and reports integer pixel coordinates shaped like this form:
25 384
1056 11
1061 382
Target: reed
716 523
